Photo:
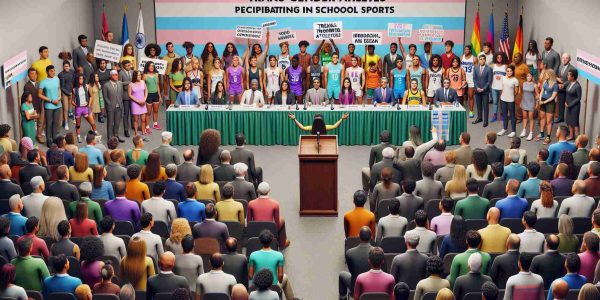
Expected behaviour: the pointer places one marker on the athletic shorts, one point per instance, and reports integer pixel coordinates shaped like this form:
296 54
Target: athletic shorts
370 93
548 107
81 111
152 98
271 90
470 82
333 92
235 91
357 91
296 90
398 94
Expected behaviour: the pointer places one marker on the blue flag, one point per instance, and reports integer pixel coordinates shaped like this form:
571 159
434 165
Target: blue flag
124 31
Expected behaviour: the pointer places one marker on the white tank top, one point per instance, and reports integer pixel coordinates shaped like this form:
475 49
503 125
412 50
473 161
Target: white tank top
531 60
283 61
273 76
214 79
434 81
498 73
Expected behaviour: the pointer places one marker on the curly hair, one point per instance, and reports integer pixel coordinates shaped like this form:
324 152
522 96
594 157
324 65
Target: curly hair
179 229
435 265
210 140
92 248
480 161
566 158
263 279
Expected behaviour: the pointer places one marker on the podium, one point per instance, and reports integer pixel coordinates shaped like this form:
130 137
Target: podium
318 175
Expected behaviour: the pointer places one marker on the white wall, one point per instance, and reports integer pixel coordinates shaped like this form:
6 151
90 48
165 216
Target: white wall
25 26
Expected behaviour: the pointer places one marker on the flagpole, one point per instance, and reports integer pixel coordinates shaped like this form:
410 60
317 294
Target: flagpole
587 91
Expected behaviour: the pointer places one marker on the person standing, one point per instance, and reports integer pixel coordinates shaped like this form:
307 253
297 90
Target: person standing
356 74
294 74
563 82
113 97
273 77
499 71
468 63
488 52
254 72
49 92
458 78
234 77
389 60
125 78
528 105
314 71
435 74
324 51
521 71
170 57
152 80
550 57
448 55
482 78
67 79
32 87
532 58
216 75
82 101
547 103
573 103
283 59
138 93
510 89
41 64
28 116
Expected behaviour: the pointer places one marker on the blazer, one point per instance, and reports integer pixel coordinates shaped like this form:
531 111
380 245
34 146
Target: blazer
33 90
291 99
494 154
482 80
464 155
164 283
546 171
214 98
224 173
563 72
243 155
88 70
495 189
581 156
388 64
8 189
125 79
316 96
181 98
243 189
440 95
410 169
552 60
187 171
79 57
389 96
64 190
549 265
378 167
469 283
409 267
504 266
357 260
168 154
409 204
31 170
375 155
113 95
573 98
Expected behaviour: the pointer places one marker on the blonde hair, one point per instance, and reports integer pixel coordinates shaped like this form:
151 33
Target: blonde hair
458 183
588 291
206 174
179 229
83 292
53 212
445 294
550 77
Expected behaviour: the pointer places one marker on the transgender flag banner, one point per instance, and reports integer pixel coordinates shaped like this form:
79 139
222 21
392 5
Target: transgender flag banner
202 21
588 66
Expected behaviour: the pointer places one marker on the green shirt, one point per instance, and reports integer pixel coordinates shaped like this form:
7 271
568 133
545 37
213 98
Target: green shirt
472 207
460 264
152 83
266 259
326 58
94 210
177 78
30 272
141 159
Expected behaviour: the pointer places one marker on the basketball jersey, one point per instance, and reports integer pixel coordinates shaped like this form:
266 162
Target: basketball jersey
283 61
498 73
333 75
456 80
417 75
326 58
235 78
372 80
434 81
253 76
315 72
414 99
295 76
467 65
399 79
355 76
273 76
214 79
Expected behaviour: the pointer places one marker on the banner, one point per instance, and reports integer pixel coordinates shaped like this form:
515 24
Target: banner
248 32
588 66
367 38
399 30
431 33
327 30
440 119
159 64
15 69
285 35
108 51
269 24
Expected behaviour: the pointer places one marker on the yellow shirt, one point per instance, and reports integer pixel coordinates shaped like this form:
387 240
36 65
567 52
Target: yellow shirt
86 175
40 66
207 191
140 285
493 238
7 145
357 218
230 210
367 59
169 61
134 66
137 191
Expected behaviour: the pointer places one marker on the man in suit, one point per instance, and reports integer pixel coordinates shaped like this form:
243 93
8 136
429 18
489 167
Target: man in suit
316 95
428 188
550 57
410 168
464 154
114 105
211 228
506 265
243 155
375 156
33 168
582 155
593 157
482 77
549 265
188 171
89 67
173 189
386 162
242 188
445 94
546 171
562 74
32 87
409 267
496 188
168 154
80 53
62 188
389 60
409 203
125 79
493 153
165 281
357 260
472 281
7 187
225 171
383 95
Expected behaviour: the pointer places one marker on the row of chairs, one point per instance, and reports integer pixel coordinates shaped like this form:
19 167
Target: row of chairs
139 295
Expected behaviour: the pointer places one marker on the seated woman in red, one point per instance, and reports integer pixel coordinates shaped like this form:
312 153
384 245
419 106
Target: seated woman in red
81 226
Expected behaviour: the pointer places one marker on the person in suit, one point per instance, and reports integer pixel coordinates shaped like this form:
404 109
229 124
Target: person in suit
62 188
125 79
592 184
506 265
472 281
582 155
494 154
31 87
316 95
165 281
113 102
496 188
211 228
188 171
482 77
445 94
550 57
389 60
409 203
357 260
573 102
376 156
243 155
546 171
387 161
7 187
80 53
464 154
168 154
253 96
593 157
563 82
411 166
225 171
384 95
428 188
409 267
549 265
89 67
33 168
242 188
173 189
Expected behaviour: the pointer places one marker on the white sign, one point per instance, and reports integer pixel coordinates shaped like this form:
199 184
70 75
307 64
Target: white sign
399 30
285 35
15 69
431 33
108 51
269 24
248 32
159 64
588 66
367 38
327 30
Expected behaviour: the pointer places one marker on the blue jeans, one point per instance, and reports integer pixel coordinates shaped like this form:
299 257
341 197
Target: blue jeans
495 99
508 108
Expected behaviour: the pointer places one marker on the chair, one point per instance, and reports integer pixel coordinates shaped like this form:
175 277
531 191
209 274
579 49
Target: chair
515 225
207 201
140 295
493 201
48 240
382 208
431 296
125 238
67 209
254 244
472 296
432 207
254 228
215 296
115 262
150 186
387 262
4 207
448 258
480 185
62 296
124 228
581 225
205 247
174 201
374 296
547 225
27 188
393 244
350 243
74 267
35 295
476 224
162 296
77 240
244 204
572 295
161 229
105 297
236 230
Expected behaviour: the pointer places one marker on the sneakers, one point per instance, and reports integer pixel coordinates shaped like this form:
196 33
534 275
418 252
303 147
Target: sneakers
539 136
78 139
156 126
148 130
523 133
501 132
471 114
512 134
530 136
66 126
493 119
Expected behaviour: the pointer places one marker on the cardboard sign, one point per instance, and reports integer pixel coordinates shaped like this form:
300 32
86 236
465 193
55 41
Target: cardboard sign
248 32
15 69
269 24
108 51
431 33
399 30
367 38
285 35
159 64
327 30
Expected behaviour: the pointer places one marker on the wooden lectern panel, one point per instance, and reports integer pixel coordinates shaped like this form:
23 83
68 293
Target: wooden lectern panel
318 175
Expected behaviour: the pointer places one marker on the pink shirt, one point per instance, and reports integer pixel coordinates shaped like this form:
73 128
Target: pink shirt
588 264
441 224
374 281
437 158
264 209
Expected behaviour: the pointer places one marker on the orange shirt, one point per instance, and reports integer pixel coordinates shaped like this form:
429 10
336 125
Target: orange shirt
358 218
521 72
137 191
372 81
457 80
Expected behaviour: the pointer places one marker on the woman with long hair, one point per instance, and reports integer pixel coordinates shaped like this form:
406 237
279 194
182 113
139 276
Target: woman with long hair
206 187
573 103
414 137
588 291
318 125
229 53
546 206
384 189
176 79
70 143
455 242
92 250
216 75
81 170
209 148
547 103
208 56
347 96
568 242
129 55
498 72
219 95
136 267
234 78
152 80
81 225
457 186
28 116
8 289
532 58
458 78
138 93
434 76
53 211
479 169
97 98
273 78
101 189
153 171
187 96
180 227
530 93
105 286
510 89
196 76
82 101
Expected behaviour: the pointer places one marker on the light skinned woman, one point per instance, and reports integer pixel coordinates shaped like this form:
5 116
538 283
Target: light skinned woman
138 93
196 76
153 171
180 227
234 76
347 96
137 155
81 225
498 72
284 96
206 187
445 294
101 189
129 55
457 186
28 116
318 125
217 74
82 101
479 169
81 170
97 98
176 79
53 212
528 103
510 89
547 102
546 206
8 289
568 242
458 78
573 103
588 291
136 267
151 78
385 189
219 95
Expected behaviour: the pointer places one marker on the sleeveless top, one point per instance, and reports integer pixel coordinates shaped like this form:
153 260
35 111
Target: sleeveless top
414 99
235 78
417 75
334 73
531 60
254 75
434 81
273 76
214 79
467 65
196 78
295 76
64 246
152 83
399 79
498 73
355 75
283 61
528 92
326 58
315 72
456 80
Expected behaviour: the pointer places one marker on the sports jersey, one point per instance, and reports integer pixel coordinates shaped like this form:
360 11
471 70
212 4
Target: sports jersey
414 98
273 76
315 72
283 61
399 77
456 80
234 78
355 76
326 58
295 78
417 74
467 64
434 81
334 73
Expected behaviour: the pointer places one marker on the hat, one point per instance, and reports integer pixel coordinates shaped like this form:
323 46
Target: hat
27 143
36 181
150 46
188 44
85 187
114 72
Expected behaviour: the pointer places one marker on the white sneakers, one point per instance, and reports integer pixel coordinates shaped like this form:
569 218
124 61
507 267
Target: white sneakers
512 134
501 132
530 136
523 133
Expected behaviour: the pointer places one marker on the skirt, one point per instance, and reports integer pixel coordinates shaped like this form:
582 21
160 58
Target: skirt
572 115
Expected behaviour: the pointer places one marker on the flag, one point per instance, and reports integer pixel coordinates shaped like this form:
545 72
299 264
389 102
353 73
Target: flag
140 36
124 30
475 37
490 33
519 37
504 45
104 26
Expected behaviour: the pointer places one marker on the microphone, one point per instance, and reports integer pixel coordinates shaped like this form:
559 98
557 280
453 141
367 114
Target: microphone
229 104
296 99
318 141
398 105
304 105
206 105
331 102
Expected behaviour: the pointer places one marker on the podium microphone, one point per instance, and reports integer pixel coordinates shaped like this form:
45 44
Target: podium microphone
398 105
331 102
318 141
206 106
229 104
296 98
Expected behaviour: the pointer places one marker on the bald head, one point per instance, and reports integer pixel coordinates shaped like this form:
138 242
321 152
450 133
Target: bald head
167 261
5 172
560 289
188 155
578 187
513 242
493 216
512 186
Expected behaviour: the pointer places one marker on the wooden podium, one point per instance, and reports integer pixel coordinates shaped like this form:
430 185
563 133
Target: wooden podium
318 175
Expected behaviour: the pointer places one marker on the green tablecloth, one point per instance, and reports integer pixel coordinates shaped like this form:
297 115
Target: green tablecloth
273 127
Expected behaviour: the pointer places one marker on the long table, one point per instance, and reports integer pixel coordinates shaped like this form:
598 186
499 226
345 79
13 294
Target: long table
271 125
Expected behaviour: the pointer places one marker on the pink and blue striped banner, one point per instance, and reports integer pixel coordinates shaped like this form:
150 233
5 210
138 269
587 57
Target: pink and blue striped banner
201 21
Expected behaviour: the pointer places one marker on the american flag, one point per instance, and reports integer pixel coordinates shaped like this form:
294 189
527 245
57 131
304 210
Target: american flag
504 45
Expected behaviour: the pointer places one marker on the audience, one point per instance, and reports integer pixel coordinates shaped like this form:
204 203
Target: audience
473 206
225 171
263 280
437 155
62 188
589 255
357 260
409 203
190 209
385 189
546 171
525 282
409 267
168 154
113 246
92 250
53 212
17 221
568 241
33 168
427 237
272 260
39 246
211 228
135 189
173 189
456 188
434 282
355 219
592 183
512 206
460 262
496 188
581 156
153 171
493 153
266 209
489 291
392 225
472 281
236 263
464 154
93 153
441 224
206 188
578 205
445 173
180 228
561 184
479 169
531 240
494 235
593 157
530 188
507 264
588 291
101 189
387 162
123 209
30 271
8 288
60 282
81 226
209 148
455 242
162 210
374 280
375 156
230 210
165 281
188 171
188 264
546 206
242 188
514 170
81 171
94 210
7 247
561 145
106 286
33 202
549 265
136 267
428 188
127 292
7 187
137 155
115 171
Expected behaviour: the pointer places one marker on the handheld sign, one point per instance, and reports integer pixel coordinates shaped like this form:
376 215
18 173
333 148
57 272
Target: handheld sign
367 38
15 69
159 64
269 24
108 51
248 32
399 30
285 35
327 30
431 33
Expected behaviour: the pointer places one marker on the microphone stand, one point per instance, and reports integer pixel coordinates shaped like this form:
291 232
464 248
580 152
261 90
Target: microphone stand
228 104
296 99
331 102
318 141
398 105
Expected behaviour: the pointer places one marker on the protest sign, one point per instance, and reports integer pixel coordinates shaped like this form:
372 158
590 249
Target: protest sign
159 64
327 30
431 33
269 24
399 30
588 66
367 38
285 35
15 69
248 32
108 51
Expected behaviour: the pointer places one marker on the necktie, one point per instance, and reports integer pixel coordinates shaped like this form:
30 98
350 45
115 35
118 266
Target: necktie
481 70
251 98
446 94
383 94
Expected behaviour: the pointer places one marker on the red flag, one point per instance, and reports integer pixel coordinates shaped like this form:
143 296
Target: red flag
104 26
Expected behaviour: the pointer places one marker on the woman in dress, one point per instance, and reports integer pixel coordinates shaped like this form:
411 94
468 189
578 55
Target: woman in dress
208 56
219 95
547 103
214 76
458 78
187 96
498 72
573 103
197 78
233 79
138 93
510 88
530 93
97 97
346 93
318 125
414 95
284 96
176 79
82 102
28 116
229 53
128 55
151 78
532 58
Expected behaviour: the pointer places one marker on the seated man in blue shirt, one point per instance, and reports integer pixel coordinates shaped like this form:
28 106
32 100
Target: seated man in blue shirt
191 209
572 278
514 170
60 282
531 187
562 145
94 154
512 206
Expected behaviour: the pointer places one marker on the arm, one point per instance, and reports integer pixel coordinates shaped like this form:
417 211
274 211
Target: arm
302 127
337 124
334 46
401 47
318 52
346 227
404 97
424 79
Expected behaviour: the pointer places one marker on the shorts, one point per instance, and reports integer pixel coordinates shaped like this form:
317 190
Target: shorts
297 91
470 82
370 93
548 107
398 93
271 90
236 91
152 98
357 91
333 92
81 111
